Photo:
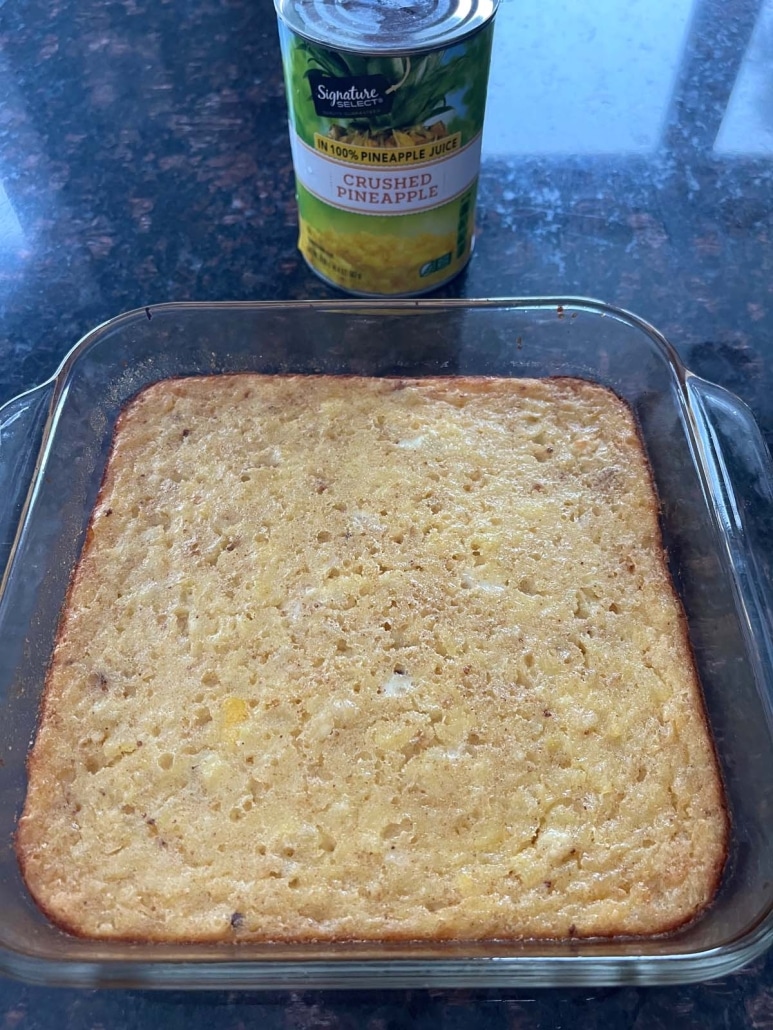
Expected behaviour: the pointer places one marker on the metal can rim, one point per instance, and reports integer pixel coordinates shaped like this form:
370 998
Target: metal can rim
456 33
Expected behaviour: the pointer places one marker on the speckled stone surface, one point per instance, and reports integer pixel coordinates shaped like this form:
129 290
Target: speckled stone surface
144 158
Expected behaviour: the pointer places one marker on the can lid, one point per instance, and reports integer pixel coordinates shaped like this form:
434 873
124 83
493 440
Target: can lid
385 26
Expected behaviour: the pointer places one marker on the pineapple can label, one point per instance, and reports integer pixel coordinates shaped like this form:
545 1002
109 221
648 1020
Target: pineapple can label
386 151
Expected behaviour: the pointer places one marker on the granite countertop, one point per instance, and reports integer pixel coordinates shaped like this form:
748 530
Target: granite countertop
628 155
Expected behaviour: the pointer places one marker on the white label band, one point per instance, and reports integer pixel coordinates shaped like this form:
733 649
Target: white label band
395 191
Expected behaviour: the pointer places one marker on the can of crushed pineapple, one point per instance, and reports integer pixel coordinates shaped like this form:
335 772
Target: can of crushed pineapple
385 102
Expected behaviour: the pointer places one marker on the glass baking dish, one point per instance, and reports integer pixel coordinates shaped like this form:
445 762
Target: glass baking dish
713 475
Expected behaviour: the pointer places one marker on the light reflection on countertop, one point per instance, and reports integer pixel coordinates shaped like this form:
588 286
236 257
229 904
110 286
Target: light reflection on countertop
747 127
570 78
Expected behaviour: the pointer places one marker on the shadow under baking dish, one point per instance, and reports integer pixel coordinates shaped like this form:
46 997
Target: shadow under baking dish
714 479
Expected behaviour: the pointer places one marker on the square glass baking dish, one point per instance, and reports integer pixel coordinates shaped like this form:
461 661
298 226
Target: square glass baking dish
713 475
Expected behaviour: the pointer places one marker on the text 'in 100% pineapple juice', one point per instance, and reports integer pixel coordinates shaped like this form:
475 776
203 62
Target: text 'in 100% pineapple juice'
386 101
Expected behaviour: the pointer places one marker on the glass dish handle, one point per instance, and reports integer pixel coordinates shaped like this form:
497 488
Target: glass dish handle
739 474
22 421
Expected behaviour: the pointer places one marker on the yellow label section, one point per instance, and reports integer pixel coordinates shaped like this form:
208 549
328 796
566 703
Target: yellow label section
379 263
388 157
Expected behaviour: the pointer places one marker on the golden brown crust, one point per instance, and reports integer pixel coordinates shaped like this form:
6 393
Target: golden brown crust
372 659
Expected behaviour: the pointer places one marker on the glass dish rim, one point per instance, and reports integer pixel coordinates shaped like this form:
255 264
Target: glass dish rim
399 304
